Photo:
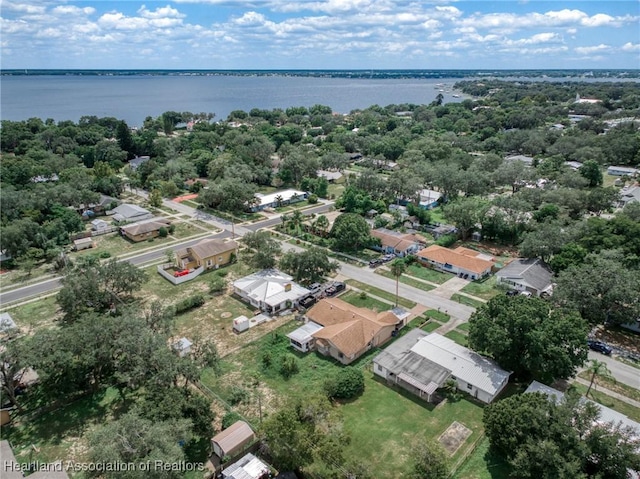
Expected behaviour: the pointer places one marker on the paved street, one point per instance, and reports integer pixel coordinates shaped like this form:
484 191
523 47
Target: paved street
622 372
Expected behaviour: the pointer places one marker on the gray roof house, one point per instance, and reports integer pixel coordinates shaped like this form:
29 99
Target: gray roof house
630 194
269 290
129 212
527 274
7 323
422 362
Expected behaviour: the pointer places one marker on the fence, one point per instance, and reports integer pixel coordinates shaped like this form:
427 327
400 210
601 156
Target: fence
177 279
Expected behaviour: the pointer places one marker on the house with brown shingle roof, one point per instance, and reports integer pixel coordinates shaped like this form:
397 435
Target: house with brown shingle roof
144 230
397 243
459 261
208 253
347 331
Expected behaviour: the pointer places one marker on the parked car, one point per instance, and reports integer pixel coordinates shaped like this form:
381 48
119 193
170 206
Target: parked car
307 301
334 288
315 288
184 272
526 293
600 347
512 292
375 262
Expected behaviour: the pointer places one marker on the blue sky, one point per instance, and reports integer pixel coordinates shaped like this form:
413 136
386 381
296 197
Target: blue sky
320 34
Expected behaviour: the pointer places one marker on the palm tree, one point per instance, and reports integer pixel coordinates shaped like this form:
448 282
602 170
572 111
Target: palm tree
398 267
278 201
321 224
295 221
598 368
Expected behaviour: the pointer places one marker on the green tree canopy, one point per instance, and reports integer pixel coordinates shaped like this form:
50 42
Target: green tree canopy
350 232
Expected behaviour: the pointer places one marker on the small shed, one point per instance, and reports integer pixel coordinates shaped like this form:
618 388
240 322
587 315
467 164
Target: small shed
7 323
82 243
232 440
182 346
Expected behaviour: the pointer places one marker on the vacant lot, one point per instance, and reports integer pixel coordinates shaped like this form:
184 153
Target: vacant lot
483 289
428 274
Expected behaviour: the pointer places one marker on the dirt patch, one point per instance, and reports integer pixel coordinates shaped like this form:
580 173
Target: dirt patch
454 437
225 315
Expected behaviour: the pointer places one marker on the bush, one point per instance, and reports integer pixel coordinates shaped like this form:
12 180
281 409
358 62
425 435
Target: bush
312 199
222 272
363 295
446 240
230 418
188 303
163 232
237 395
288 365
172 228
104 255
217 285
346 384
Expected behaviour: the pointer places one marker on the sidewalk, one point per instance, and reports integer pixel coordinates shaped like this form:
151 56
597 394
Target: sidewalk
608 392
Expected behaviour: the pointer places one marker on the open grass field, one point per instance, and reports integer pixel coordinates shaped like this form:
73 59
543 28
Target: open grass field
485 289
437 315
407 280
428 274
482 464
389 296
35 315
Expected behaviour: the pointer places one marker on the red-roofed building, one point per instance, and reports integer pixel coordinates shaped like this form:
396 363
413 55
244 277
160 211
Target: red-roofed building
460 261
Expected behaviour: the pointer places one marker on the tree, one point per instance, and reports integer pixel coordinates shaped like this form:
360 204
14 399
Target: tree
321 225
597 369
135 440
263 249
307 266
590 170
155 198
350 232
526 336
430 461
228 194
397 268
13 365
601 288
92 286
347 383
464 213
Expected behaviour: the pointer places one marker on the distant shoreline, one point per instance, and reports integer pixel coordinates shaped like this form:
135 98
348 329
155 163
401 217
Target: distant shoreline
355 74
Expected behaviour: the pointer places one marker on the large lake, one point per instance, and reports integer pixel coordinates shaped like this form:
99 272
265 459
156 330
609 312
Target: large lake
133 98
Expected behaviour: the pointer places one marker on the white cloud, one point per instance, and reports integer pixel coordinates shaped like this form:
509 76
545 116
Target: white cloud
631 47
593 49
598 20
23 7
73 10
161 12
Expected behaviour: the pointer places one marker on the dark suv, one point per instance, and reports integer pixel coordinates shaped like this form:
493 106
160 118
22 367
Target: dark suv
600 347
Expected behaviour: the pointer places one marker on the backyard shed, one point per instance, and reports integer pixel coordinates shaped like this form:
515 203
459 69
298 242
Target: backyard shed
82 243
232 440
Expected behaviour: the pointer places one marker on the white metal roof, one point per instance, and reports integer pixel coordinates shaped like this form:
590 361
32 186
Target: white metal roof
271 287
286 195
304 333
463 363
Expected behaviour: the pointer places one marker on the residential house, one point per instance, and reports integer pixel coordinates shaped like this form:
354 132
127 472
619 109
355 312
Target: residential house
100 226
233 440
574 165
338 329
270 290
208 253
130 213
527 274
330 176
607 415
421 363
137 161
247 467
527 160
397 243
586 100
622 171
442 230
12 469
429 198
460 261
82 243
278 198
144 230
629 194
183 347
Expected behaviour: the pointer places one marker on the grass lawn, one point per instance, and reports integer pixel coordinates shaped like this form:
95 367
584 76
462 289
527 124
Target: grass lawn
57 434
437 315
353 297
191 203
437 216
614 386
483 289
389 296
407 280
36 314
385 422
468 301
463 327
606 400
428 274
431 326
482 464
458 337
17 276
116 245
183 230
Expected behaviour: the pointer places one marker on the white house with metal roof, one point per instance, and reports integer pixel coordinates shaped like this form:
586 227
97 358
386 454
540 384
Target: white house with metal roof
302 338
129 212
247 467
278 198
270 290
422 363
527 274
